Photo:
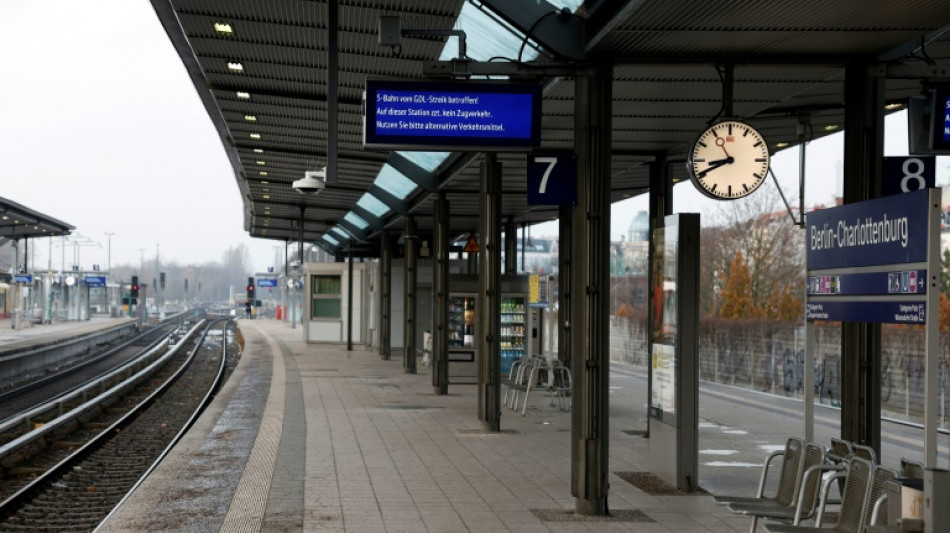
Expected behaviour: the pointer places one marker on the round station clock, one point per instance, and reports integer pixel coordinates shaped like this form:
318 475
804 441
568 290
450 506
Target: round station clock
729 160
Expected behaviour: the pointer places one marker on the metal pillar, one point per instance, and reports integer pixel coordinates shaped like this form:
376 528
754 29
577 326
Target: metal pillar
590 284
349 302
661 205
385 295
488 323
440 296
511 247
861 342
409 335
564 268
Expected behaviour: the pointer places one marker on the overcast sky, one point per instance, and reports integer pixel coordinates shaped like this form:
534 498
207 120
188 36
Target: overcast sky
102 129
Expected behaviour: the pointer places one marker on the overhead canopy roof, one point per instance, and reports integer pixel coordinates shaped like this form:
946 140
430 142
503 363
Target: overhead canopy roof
261 69
18 222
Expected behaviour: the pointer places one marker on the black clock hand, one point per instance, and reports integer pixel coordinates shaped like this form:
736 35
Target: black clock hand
713 165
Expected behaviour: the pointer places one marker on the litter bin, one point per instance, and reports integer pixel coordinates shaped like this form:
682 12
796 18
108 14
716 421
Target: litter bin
280 313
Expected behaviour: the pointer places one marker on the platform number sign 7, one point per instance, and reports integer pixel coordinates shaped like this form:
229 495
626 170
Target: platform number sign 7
552 179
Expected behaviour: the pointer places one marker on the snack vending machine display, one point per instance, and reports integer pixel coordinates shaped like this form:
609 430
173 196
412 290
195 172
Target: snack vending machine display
462 321
514 327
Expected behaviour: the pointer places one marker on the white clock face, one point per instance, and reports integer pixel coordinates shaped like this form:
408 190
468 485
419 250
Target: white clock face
729 160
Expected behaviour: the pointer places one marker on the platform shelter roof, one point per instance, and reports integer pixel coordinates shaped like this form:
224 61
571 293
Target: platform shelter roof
18 221
262 69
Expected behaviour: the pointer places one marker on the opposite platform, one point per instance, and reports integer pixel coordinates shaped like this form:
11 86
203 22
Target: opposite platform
316 438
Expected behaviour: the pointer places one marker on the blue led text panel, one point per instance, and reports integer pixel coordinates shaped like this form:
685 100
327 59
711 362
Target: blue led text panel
452 115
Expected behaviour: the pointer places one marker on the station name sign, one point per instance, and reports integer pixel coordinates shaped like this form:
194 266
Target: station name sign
885 231
451 115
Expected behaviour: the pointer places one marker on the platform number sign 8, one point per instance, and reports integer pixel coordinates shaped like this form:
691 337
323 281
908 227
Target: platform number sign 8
552 179
908 173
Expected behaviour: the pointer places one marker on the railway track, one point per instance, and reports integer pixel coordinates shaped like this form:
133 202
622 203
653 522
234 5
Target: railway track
91 461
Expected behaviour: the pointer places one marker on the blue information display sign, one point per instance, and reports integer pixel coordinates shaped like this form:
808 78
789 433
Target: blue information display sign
552 179
908 173
95 281
884 231
266 282
941 121
454 115
23 278
879 312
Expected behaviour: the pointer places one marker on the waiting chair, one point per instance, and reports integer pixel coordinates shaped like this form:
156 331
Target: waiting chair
792 457
853 503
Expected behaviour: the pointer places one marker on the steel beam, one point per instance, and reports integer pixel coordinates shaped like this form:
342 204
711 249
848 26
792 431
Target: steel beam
414 172
861 342
489 295
554 29
386 197
590 281
440 293
385 293
409 334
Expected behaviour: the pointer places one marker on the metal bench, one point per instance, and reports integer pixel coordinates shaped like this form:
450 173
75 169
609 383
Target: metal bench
792 458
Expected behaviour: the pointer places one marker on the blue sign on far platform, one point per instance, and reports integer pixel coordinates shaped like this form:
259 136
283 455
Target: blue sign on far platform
883 231
552 179
266 282
23 278
95 281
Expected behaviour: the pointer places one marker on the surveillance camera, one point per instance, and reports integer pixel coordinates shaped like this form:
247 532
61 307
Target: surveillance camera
313 182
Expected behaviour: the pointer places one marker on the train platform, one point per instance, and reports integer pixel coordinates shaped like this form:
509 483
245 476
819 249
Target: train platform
316 438
12 340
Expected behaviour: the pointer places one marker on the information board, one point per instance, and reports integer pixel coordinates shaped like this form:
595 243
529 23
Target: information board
266 282
940 133
451 115
95 281
868 261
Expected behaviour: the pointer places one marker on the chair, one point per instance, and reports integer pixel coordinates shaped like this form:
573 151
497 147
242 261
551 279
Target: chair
911 469
802 505
875 510
853 503
865 452
792 457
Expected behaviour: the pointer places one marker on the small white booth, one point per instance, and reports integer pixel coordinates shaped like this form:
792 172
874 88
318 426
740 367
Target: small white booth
326 304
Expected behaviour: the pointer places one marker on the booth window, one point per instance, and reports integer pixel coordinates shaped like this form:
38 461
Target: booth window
325 296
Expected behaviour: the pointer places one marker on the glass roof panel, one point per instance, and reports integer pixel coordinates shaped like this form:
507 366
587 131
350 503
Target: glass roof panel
339 231
329 238
356 220
373 205
487 37
394 182
429 161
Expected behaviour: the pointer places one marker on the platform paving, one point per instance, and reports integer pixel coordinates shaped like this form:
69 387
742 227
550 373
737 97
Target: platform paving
308 437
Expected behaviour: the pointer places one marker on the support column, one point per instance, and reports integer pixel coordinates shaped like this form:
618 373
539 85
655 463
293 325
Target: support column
511 247
385 295
861 342
349 302
564 267
409 356
660 205
440 292
590 285
489 296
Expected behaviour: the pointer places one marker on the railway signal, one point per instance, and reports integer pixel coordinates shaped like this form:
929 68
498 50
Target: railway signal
135 287
250 288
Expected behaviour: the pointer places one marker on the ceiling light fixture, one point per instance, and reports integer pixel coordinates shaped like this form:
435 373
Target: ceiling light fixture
262 173
235 66
831 127
243 95
261 163
781 145
258 151
223 28
255 135
891 107
250 118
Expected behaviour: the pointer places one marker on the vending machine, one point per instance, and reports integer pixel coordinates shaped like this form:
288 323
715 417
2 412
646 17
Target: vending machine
519 334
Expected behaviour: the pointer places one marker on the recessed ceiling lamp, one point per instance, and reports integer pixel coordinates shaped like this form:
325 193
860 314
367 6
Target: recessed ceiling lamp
261 163
781 145
831 127
262 173
250 118
267 197
235 66
258 151
243 95
256 136
891 107
223 28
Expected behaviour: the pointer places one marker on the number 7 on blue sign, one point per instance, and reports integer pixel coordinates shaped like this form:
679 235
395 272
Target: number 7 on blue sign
552 179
